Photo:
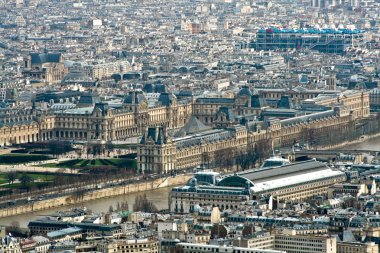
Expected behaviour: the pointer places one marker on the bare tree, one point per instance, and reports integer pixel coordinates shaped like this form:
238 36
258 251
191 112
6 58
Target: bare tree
144 205
124 206
262 149
11 177
246 158
206 159
59 147
159 169
225 158
25 179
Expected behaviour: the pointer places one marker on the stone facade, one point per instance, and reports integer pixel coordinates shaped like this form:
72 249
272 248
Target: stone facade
108 124
18 126
294 182
132 246
10 245
357 247
93 121
235 126
47 67
190 150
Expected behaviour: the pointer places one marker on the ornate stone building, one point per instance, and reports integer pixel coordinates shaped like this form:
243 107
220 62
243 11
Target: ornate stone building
245 102
195 143
18 126
159 152
10 245
101 121
47 67
174 136
292 182
94 120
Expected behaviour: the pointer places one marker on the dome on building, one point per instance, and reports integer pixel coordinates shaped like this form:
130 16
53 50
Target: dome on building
245 91
134 97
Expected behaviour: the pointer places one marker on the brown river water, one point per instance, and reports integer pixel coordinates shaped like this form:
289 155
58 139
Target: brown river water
159 197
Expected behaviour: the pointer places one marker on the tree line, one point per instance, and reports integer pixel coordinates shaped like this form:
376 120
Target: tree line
239 158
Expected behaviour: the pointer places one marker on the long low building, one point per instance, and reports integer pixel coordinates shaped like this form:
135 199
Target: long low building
291 182
44 227
290 242
233 130
200 248
299 186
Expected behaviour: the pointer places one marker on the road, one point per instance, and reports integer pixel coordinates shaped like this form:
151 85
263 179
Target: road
33 167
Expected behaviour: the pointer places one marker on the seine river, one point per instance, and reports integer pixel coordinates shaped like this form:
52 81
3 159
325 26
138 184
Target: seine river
369 144
159 197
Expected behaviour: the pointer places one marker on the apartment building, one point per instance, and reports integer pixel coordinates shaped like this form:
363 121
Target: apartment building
9 244
309 244
257 240
356 247
47 67
101 71
129 246
206 248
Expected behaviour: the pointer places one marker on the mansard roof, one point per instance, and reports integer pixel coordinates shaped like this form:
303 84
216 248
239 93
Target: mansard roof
38 58
87 99
135 97
285 102
257 101
167 99
228 113
16 121
193 126
215 100
307 118
214 135
155 134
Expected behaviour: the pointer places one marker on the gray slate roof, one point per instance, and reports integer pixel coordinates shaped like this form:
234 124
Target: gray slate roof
194 126
45 57
307 118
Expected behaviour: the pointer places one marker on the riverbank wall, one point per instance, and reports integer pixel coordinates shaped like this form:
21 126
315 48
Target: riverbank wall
81 198
348 143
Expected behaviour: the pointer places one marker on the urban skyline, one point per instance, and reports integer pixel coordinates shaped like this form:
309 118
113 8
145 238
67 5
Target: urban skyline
189 126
